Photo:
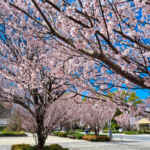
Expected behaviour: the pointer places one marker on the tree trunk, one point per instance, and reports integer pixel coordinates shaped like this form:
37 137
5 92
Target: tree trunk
40 113
96 131
41 133
41 141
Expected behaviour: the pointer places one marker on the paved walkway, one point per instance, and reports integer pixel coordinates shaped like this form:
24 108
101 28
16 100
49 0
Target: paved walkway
120 142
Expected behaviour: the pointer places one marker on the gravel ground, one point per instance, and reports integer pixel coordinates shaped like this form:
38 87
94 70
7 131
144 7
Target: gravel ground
106 146
5 147
120 142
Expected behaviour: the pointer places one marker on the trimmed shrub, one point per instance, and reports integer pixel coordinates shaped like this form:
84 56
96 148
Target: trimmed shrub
12 133
56 147
70 134
62 134
55 133
79 130
113 131
78 135
96 138
22 147
29 147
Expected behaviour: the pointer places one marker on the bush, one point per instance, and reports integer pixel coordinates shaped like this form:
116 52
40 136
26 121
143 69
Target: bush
70 134
2 128
61 134
96 138
79 130
12 133
56 147
113 131
55 133
28 147
78 135
22 147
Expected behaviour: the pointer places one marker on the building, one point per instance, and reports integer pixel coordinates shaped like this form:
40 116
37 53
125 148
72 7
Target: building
4 116
144 124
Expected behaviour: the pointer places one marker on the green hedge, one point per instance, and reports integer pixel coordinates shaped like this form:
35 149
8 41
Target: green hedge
61 134
2 128
79 130
75 135
129 132
12 133
70 134
136 132
21 147
113 131
78 135
29 147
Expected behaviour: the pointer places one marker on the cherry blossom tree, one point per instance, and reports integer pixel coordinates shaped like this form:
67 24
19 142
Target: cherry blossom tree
124 121
33 75
113 34
104 39
32 80
56 114
38 112
130 116
128 119
50 51
97 114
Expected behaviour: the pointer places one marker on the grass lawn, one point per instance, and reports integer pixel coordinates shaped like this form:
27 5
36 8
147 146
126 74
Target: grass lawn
4 132
128 132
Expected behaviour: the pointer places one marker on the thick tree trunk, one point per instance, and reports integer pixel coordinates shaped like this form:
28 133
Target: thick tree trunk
40 113
41 133
41 141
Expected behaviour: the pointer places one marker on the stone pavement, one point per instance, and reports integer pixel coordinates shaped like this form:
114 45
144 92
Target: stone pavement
120 142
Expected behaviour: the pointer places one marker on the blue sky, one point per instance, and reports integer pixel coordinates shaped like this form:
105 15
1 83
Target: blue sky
143 94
